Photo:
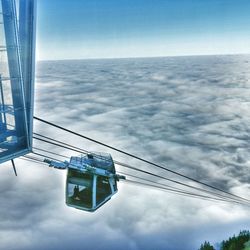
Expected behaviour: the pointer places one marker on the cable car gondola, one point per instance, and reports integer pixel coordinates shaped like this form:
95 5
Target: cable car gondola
91 180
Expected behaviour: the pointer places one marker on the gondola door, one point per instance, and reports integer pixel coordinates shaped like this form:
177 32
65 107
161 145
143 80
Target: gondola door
79 190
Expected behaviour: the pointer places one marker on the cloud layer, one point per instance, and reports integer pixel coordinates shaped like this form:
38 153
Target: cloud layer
187 113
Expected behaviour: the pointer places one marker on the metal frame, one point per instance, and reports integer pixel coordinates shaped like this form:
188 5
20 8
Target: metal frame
27 35
20 51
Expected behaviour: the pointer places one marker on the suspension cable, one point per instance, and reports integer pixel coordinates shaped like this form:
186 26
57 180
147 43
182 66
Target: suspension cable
174 189
202 197
167 188
139 158
79 150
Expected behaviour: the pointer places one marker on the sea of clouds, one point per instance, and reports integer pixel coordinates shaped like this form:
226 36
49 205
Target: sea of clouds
190 114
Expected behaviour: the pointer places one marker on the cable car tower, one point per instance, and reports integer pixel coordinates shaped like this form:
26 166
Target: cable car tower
17 60
91 180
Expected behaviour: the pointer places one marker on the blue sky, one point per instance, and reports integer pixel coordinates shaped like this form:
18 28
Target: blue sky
134 28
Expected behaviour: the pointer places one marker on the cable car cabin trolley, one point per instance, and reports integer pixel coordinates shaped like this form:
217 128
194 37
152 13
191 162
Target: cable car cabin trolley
91 180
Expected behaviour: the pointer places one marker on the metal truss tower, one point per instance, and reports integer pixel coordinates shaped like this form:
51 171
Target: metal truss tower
17 61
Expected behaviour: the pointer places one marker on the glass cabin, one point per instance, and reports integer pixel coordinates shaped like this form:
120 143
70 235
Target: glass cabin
17 50
90 190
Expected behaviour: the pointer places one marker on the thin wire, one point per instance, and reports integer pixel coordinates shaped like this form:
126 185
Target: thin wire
31 159
47 151
134 168
144 179
46 156
64 143
173 190
56 144
80 150
170 188
206 191
202 197
37 160
139 158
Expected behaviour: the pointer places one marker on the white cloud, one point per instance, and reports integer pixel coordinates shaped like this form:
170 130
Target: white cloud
187 113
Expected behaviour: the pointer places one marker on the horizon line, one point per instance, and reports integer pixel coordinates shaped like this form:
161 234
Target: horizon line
142 57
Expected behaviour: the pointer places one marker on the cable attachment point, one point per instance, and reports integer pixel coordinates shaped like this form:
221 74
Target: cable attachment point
56 164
